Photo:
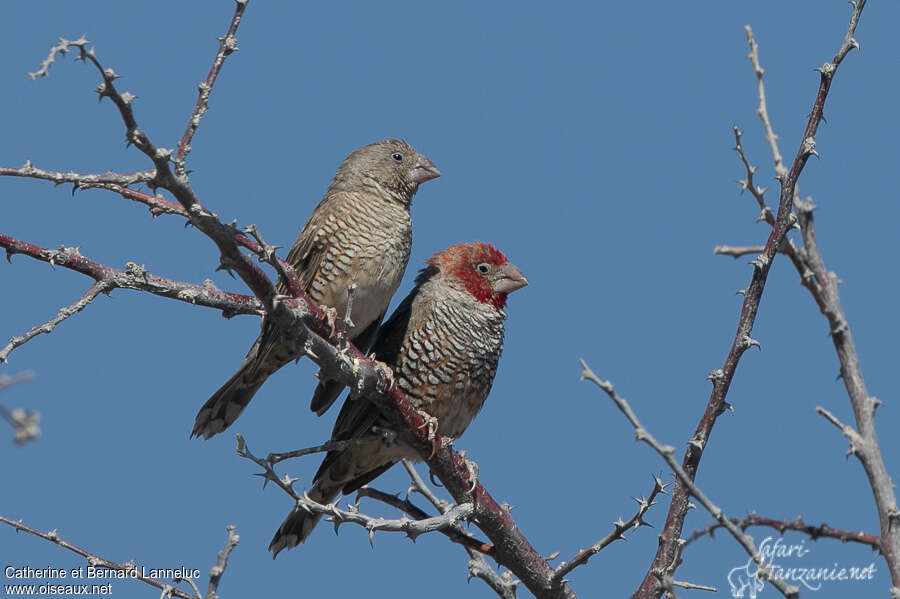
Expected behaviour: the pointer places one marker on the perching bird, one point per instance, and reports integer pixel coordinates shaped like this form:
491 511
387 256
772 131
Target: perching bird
360 233
442 343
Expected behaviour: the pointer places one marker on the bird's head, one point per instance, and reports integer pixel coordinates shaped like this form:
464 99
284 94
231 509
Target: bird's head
392 163
480 269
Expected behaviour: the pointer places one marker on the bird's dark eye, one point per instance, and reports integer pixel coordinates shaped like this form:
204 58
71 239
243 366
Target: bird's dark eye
483 268
397 156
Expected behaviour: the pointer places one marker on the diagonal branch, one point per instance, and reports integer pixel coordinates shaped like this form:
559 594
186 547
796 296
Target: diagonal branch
227 45
95 561
619 529
101 286
664 562
381 435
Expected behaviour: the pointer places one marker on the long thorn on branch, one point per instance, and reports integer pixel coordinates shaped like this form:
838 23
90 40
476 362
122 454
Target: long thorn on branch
387 436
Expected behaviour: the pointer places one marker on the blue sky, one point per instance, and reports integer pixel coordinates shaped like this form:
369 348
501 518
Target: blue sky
591 142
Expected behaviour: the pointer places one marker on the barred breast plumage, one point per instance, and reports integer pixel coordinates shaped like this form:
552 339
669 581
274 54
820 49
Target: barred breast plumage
443 344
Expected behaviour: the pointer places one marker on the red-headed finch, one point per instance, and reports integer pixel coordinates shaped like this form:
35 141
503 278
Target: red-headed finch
360 233
442 343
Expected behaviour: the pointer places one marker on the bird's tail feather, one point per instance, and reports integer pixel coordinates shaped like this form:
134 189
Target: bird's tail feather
299 524
325 394
226 404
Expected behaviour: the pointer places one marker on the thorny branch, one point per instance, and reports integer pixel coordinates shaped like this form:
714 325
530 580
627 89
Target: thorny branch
110 181
667 453
822 531
108 278
337 516
25 423
665 561
305 325
136 571
227 45
455 533
620 527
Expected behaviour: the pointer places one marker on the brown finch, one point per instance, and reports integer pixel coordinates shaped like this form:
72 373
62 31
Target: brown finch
359 234
442 344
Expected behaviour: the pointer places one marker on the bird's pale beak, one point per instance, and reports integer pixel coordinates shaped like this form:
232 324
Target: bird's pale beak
423 171
509 278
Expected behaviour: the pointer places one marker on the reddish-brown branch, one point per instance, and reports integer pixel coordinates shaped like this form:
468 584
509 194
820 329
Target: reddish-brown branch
664 562
227 45
108 278
822 531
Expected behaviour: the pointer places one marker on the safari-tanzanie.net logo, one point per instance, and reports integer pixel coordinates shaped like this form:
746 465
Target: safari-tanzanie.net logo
791 564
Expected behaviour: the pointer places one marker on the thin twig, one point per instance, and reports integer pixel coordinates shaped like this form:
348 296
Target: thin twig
762 110
101 286
620 527
95 561
822 531
385 435
737 251
227 45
